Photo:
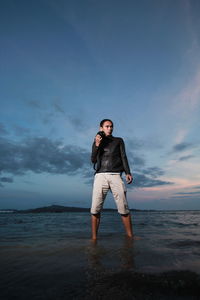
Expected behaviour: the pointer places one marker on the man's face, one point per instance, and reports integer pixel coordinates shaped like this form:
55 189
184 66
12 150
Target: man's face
107 128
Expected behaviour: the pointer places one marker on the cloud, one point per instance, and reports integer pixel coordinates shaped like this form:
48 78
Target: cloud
187 193
148 178
6 179
153 171
41 155
132 145
183 158
135 160
185 197
141 180
182 146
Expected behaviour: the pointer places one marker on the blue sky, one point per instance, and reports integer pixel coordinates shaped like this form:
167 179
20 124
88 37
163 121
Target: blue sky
66 65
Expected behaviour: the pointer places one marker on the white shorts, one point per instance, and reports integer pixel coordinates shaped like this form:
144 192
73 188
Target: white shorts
103 182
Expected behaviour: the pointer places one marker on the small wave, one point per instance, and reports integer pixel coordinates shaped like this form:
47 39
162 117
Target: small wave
183 244
175 224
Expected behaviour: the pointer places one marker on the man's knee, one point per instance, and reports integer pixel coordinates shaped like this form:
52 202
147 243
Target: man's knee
125 215
97 215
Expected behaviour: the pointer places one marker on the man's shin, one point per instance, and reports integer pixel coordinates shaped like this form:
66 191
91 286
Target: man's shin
95 220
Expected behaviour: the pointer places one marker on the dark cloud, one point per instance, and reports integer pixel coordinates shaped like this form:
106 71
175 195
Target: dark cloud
153 172
187 193
41 155
144 177
138 161
184 197
134 149
141 180
183 158
149 177
132 145
135 160
6 179
182 146
88 174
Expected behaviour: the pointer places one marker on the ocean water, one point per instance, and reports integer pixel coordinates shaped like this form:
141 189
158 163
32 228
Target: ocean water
47 252
167 239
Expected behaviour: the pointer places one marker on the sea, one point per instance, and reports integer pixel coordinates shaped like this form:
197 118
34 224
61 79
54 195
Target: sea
52 256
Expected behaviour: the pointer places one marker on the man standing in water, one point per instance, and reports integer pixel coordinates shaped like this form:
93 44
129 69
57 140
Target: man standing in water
109 156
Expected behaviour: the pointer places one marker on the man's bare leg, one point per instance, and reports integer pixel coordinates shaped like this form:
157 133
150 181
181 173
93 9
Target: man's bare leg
126 219
95 219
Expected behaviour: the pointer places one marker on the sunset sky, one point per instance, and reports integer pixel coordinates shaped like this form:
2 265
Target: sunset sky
66 65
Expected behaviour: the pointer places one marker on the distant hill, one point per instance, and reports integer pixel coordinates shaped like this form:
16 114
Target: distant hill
52 208
55 209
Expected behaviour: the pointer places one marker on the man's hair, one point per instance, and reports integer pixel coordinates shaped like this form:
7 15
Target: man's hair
105 120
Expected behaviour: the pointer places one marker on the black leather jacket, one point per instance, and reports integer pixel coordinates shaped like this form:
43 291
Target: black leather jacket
110 156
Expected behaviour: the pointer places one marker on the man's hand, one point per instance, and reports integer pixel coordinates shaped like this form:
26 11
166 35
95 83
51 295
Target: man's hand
129 178
98 140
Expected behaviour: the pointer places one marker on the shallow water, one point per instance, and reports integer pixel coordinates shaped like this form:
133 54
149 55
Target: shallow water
168 240
51 255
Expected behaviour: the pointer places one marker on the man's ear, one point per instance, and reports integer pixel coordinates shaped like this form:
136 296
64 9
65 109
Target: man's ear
100 128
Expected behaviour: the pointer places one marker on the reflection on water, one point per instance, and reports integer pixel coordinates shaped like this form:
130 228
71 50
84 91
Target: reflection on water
101 256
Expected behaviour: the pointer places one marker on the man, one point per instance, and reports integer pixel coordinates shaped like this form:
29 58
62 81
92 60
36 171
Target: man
109 156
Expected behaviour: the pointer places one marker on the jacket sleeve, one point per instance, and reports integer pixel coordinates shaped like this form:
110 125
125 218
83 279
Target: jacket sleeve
95 150
124 158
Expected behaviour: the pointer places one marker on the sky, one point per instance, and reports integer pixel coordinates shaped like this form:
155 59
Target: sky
65 65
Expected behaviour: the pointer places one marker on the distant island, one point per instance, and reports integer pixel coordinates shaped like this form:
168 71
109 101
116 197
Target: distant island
55 209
